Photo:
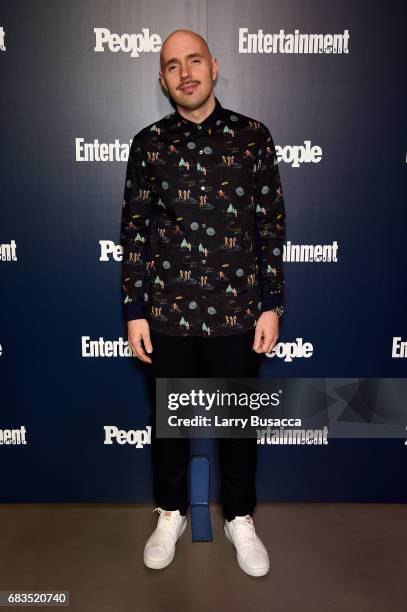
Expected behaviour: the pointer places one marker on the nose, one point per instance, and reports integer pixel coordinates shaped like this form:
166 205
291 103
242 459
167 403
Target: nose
185 71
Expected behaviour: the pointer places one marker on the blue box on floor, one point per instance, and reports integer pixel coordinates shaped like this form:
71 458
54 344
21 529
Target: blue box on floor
199 499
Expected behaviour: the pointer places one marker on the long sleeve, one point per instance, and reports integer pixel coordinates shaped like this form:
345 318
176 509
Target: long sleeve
135 232
270 226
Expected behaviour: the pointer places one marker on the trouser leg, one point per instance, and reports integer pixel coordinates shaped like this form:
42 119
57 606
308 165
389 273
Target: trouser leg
233 357
172 357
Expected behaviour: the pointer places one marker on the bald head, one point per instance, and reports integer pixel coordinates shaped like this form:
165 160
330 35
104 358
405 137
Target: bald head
180 38
188 71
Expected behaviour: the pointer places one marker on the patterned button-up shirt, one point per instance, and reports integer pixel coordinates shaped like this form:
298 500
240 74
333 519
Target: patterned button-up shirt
203 225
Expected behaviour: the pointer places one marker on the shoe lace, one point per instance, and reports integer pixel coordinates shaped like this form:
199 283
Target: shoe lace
245 533
164 533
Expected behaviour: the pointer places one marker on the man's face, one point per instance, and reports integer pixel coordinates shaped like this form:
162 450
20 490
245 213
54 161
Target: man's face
185 60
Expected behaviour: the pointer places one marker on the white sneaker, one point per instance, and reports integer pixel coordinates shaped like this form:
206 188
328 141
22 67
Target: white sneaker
251 553
159 550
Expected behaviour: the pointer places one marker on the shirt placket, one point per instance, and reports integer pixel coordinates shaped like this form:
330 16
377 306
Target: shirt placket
201 187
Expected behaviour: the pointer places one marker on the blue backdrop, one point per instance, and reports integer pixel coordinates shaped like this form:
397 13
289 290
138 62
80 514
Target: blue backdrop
69 78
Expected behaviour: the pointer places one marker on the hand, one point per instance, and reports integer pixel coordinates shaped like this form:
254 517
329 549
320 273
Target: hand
139 330
266 334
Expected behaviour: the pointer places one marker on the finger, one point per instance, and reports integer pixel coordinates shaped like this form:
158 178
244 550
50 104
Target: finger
272 344
133 344
266 342
147 342
257 338
139 351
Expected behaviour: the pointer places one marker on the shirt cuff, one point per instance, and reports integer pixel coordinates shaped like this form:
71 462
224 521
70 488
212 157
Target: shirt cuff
135 310
272 303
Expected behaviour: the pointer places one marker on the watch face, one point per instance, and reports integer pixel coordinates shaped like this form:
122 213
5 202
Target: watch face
278 310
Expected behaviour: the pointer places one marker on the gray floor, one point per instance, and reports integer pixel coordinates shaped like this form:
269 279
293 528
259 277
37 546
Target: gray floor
324 557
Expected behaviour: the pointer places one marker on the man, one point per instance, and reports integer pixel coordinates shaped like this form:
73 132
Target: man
202 232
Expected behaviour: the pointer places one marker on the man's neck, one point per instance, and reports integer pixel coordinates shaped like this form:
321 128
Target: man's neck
199 114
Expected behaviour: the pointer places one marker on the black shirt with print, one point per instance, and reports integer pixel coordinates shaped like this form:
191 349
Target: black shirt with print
203 225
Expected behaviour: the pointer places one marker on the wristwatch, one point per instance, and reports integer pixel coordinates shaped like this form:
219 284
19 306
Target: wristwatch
279 310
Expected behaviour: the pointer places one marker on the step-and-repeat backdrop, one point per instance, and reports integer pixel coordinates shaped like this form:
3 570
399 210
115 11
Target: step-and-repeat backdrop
79 79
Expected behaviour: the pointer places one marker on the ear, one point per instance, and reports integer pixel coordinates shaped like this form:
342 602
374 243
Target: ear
215 68
163 84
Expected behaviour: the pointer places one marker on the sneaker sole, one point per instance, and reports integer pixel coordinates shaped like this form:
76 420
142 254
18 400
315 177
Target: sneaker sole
256 573
161 564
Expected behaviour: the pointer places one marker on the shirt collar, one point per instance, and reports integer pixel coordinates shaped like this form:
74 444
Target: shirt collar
209 122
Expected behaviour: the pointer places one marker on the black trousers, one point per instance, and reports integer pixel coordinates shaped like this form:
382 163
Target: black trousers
189 357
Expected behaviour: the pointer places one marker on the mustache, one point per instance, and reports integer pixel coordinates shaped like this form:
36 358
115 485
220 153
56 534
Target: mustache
189 83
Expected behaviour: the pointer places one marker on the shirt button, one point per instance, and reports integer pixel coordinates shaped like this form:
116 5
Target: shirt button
200 152
199 127
203 187
203 261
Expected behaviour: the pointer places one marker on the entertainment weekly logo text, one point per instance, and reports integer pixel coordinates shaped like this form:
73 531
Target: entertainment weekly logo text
16 437
2 39
8 251
283 42
399 348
